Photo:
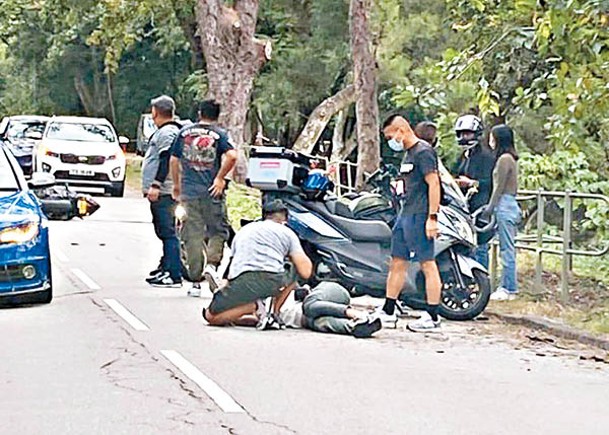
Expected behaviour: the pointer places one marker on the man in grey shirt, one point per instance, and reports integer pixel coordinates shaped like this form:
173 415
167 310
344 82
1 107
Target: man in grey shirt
257 269
158 187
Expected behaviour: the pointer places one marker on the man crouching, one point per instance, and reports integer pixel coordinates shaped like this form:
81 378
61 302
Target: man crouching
257 268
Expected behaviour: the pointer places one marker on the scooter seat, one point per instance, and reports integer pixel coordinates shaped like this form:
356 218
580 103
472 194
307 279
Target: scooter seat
360 230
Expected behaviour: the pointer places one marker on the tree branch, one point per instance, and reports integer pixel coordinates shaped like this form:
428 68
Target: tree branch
321 116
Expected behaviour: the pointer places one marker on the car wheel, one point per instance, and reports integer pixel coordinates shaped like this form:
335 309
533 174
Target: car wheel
118 189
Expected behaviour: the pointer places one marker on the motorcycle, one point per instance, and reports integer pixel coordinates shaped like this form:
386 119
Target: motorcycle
356 251
61 203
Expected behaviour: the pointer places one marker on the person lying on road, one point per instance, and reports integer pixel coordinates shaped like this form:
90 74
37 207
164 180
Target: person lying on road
327 308
257 268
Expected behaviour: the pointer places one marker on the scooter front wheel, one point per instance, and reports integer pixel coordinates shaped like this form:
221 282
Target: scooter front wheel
464 302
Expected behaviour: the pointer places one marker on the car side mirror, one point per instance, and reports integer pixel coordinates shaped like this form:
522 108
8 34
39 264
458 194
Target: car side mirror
41 180
123 140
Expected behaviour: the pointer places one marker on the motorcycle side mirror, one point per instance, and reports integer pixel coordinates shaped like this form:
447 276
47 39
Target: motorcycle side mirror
483 225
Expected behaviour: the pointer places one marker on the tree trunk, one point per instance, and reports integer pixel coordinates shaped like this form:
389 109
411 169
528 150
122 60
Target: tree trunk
366 108
321 116
338 136
233 57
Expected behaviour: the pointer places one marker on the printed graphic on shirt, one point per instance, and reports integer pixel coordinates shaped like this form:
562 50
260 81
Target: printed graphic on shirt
200 149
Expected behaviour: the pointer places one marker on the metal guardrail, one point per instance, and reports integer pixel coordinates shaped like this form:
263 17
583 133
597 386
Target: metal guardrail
536 242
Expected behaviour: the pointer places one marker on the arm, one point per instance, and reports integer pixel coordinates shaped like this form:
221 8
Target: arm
176 176
278 301
433 181
503 170
229 158
302 263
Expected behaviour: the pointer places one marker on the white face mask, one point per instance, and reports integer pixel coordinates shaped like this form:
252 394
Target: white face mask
395 145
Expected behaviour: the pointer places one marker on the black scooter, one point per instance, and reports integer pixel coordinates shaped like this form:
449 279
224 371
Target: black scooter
355 250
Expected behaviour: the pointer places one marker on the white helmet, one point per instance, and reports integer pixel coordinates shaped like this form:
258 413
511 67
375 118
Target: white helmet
468 124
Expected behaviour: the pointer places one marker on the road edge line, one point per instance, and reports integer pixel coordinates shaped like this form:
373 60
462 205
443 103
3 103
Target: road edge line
86 280
221 398
126 315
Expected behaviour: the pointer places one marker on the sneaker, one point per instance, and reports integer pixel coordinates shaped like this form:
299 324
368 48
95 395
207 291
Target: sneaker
387 320
165 280
425 324
152 277
195 290
155 272
364 328
270 321
211 276
260 309
502 294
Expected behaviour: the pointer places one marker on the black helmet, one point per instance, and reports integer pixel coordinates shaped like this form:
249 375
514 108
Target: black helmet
468 124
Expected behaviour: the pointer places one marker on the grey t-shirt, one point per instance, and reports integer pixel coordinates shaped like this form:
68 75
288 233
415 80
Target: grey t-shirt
262 247
160 141
292 315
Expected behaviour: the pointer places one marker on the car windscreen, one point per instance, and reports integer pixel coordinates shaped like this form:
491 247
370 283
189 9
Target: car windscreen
149 127
81 132
21 129
8 180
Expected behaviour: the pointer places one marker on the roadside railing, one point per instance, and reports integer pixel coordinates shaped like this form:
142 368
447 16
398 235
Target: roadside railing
538 242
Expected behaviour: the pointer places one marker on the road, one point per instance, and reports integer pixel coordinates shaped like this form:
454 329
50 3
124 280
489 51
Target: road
111 355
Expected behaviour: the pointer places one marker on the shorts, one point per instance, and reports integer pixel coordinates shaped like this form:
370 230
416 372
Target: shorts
409 240
246 288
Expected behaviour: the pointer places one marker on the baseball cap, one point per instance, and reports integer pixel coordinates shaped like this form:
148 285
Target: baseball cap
164 103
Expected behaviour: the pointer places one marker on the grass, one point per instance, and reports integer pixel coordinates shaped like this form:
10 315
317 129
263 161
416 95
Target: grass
588 305
134 173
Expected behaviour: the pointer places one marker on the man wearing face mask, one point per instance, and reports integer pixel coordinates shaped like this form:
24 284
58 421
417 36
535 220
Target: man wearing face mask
475 165
417 225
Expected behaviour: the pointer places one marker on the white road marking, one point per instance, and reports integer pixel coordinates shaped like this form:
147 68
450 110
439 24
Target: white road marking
86 280
213 390
61 256
126 315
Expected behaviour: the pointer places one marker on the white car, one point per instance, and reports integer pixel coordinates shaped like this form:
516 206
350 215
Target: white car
83 152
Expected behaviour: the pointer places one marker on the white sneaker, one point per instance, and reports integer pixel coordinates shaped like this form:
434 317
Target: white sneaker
195 290
211 276
425 324
501 294
388 321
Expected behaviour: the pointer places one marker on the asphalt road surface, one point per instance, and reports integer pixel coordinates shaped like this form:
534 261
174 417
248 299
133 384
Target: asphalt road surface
111 355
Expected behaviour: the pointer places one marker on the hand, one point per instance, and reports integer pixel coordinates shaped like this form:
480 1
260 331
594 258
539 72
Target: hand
217 188
176 193
153 194
431 228
464 181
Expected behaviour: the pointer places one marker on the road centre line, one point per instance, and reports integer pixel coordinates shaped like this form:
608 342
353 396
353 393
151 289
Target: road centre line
60 256
224 401
85 279
126 315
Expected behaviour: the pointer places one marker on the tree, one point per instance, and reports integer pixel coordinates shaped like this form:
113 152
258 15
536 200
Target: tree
364 68
233 57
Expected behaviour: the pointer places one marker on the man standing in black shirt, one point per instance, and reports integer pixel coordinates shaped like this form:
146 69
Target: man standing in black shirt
475 165
417 224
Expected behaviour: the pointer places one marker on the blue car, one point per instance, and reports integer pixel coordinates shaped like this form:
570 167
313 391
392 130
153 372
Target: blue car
20 134
25 260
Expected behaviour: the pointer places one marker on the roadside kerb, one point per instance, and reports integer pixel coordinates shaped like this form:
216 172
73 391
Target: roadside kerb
552 327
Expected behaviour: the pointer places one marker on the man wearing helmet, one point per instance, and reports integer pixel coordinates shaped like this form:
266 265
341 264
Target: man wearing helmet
475 167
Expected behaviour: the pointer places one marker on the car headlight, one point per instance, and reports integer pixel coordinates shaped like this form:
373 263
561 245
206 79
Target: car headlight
116 172
20 234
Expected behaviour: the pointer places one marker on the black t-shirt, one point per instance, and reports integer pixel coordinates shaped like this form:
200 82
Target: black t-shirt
418 161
